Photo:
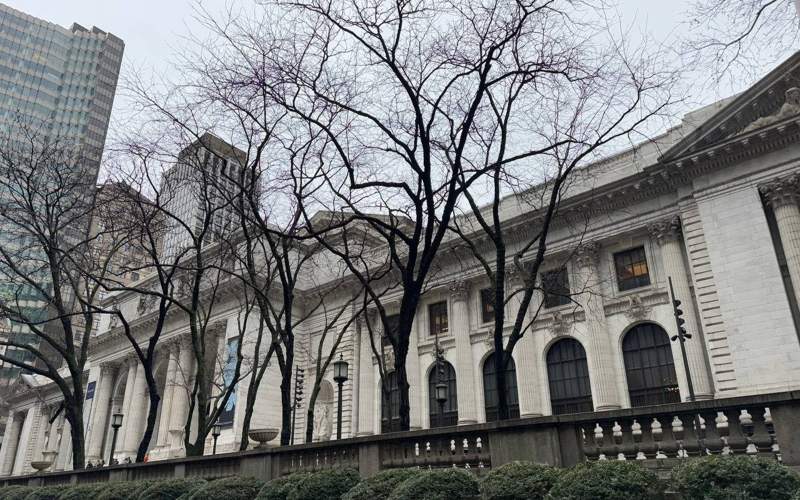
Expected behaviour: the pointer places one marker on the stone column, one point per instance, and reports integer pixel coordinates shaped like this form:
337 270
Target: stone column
355 332
102 399
182 389
601 346
130 377
668 235
136 413
459 326
8 451
783 195
64 457
23 442
524 352
366 382
166 399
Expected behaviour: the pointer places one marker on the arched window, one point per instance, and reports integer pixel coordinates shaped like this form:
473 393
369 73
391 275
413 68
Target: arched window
445 373
649 366
490 388
390 407
568 375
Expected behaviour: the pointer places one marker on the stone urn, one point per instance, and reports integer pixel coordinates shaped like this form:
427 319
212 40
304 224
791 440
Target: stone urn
263 435
41 465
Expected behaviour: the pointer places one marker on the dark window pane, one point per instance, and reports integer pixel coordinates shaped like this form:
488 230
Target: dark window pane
390 406
490 388
649 366
446 374
568 377
437 314
556 287
487 305
631 267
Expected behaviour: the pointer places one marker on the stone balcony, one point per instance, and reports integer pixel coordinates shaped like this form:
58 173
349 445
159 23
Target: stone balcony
658 436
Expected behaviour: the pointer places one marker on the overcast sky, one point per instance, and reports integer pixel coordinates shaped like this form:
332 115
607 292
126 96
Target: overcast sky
153 30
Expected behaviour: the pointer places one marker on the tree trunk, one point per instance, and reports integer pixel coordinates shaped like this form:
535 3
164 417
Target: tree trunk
286 402
499 324
74 415
312 400
155 399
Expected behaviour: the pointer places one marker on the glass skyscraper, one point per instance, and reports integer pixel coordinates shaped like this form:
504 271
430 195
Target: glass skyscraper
61 83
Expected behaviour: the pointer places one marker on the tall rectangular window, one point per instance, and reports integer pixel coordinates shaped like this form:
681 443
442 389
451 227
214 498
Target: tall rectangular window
631 266
556 287
487 305
437 318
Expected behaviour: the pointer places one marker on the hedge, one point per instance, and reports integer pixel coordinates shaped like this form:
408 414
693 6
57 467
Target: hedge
123 490
279 489
46 493
328 484
519 481
171 489
82 491
16 492
444 484
381 485
607 480
229 488
722 477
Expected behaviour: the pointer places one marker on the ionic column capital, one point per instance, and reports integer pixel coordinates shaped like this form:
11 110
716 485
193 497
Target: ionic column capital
588 254
666 230
459 289
781 191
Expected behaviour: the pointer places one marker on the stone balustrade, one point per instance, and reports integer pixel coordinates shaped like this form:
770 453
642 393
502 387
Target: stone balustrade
659 436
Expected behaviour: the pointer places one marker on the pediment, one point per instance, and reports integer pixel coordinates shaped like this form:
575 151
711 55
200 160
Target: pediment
771 103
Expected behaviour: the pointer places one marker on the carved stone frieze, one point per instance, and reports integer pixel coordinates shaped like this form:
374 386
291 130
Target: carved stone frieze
790 107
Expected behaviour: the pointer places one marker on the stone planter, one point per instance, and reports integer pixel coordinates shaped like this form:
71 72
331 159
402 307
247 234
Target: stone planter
41 465
263 435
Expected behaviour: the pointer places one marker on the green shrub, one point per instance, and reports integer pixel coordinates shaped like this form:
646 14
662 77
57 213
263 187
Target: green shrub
46 493
718 477
15 492
171 489
381 485
607 480
444 484
279 488
122 490
327 484
81 491
229 488
519 481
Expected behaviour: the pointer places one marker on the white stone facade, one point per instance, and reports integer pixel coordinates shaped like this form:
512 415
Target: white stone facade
713 204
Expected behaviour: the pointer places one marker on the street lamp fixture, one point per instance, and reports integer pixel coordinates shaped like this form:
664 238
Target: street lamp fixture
340 377
216 430
440 391
116 423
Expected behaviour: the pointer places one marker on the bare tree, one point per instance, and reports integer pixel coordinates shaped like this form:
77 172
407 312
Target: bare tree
740 36
46 259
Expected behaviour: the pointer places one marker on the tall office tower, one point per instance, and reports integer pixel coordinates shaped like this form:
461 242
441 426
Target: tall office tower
203 183
58 84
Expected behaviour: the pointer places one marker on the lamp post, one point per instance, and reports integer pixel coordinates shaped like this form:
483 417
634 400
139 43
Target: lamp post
216 430
440 390
340 377
116 423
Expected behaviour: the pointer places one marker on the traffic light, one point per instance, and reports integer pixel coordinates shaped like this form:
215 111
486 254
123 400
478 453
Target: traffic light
682 333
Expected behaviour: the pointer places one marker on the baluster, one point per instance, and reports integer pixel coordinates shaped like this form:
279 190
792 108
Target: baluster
453 452
658 435
636 430
746 421
598 441
723 430
678 434
700 428
773 439
616 434
428 453
465 446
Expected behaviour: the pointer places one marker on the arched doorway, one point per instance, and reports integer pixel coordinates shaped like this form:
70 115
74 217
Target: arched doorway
445 373
390 406
490 388
568 377
649 367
